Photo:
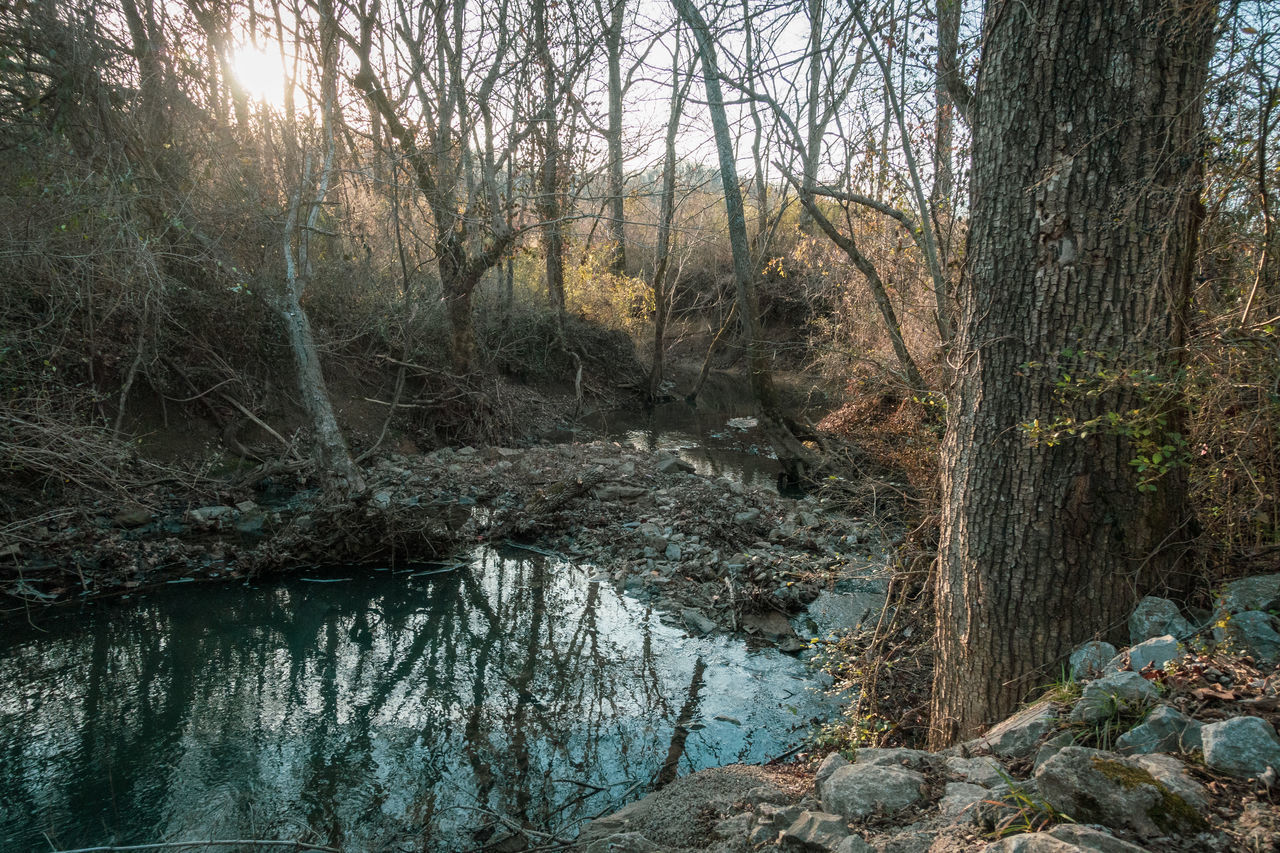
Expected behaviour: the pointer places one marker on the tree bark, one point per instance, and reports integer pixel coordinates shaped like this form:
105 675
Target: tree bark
1085 208
666 215
549 197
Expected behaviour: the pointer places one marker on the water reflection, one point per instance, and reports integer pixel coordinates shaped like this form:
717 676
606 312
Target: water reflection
384 712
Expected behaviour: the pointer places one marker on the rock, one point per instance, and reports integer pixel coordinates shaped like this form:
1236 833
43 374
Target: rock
246 506
1101 787
673 465
696 622
381 499
1018 735
651 536
732 827
1241 746
1173 773
893 757
1155 617
853 844
857 791
745 517
983 770
1106 696
771 624
625 842
1089 838
615 492
961 796
1254 632
1089 658
672 552
829 765
1157 651
1164 730
777 816
814 832
1051 747
207 514
133 516
839 612
1064 838
1256 593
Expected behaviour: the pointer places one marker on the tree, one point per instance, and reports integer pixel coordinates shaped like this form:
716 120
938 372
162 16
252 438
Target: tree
1087 157
794 458
452 59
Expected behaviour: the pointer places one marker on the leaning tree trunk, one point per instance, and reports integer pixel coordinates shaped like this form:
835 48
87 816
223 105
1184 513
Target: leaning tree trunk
1086 175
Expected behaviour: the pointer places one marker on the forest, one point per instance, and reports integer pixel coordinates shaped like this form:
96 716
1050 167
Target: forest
613 425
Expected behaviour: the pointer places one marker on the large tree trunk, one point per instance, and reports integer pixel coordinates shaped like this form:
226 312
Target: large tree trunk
1087 152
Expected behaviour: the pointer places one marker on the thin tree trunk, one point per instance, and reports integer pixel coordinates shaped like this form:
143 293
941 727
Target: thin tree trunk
793 456
942 200
333 457
617 186
1086 179
549 198
666 215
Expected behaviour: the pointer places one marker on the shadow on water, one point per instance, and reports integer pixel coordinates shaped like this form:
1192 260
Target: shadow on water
392 711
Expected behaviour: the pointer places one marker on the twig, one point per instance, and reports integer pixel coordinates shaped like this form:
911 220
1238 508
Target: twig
288 445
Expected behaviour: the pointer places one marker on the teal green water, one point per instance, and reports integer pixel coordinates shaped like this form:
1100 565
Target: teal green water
383 712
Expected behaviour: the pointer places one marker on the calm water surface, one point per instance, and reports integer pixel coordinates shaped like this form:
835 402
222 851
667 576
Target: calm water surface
387 711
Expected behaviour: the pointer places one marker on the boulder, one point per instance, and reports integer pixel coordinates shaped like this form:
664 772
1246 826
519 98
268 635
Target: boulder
814 832
132 516
983 770
854 844
1100 787
1241 746
1106 696
1155 617
1164 730
1256 593
208 514
1088 659
651 536
857 791
1017 736
1157 652
1254 633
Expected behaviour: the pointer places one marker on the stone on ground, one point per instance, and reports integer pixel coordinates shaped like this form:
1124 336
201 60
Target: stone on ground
1119 691
858 791
1164 730
829 765
1100 787
1155 617
1259 592
982 770
814 832
1156 651
961 796
1254 632
1241 746
1089 658
1018 735
1064 838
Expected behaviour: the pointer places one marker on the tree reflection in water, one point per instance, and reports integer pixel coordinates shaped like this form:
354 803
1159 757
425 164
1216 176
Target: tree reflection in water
387 710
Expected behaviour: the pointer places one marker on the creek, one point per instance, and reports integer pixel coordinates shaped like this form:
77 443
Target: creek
429 709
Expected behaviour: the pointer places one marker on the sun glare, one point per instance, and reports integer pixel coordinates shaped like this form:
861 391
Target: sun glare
261 74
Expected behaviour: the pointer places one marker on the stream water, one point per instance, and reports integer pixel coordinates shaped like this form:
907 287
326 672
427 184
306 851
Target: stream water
425 710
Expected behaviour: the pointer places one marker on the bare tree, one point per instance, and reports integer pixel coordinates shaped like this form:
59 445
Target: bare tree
794 457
